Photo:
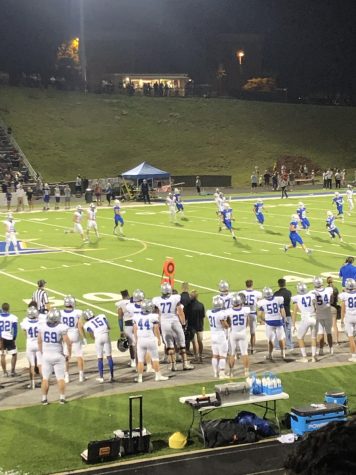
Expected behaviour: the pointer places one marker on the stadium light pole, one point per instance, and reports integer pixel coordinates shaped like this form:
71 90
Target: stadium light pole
83 57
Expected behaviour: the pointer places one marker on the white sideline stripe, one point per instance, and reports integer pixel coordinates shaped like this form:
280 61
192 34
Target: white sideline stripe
33 284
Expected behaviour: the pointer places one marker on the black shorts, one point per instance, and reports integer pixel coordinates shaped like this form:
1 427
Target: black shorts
8 345
254 185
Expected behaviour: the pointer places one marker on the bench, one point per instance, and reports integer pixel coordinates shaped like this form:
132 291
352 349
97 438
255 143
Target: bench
300 181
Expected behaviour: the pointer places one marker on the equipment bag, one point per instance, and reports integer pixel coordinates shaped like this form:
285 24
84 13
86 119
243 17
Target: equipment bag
263 427
221 432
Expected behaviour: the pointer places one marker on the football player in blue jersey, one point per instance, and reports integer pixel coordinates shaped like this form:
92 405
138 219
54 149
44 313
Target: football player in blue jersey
179 203
302 215
226 218
118 218
331 227
294 236
338 200
258 210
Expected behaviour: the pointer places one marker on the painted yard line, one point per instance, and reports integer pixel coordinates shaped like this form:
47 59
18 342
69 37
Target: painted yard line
187 255
33 284
191 252
238 238
149 259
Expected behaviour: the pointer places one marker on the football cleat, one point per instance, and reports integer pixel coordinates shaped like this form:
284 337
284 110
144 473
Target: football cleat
224 286
88 314
302 288
69 301
138 295
147 306
350 284
236 300
267 292
218 302
166 289
32 313
318 282
53 317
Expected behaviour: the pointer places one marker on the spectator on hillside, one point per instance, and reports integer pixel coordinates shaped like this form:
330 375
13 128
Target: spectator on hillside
283 183
46 194
254 181
343 177
305 170
108 192
330 178
312 176
337 178
97 193
67 194
57 196
275 181
8 199
267 177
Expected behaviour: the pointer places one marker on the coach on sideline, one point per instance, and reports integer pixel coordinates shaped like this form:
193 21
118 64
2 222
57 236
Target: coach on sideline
40 296
348 270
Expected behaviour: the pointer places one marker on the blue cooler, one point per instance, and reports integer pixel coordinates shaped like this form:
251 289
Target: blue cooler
308 418
336 397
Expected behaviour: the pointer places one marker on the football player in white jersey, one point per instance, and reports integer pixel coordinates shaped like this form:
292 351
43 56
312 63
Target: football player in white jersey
71 317
51 336
77 223
219 201
251 298
271 311
171 319
99 329
323 297
350 198
305 304
10 235
148 339
237 317
348 314
171 203
125 322
8 334
30 325
219 344
224 293
92 223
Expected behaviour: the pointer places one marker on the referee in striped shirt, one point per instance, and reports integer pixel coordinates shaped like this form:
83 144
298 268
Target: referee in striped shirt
40 296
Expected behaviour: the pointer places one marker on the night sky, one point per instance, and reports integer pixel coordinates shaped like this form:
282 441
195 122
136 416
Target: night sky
307 43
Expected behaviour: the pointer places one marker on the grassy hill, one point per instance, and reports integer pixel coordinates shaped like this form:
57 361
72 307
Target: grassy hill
65 133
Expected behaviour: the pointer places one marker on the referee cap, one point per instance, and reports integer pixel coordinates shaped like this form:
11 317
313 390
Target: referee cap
41 283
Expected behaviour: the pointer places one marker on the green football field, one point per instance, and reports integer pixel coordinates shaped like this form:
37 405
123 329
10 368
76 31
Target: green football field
96 272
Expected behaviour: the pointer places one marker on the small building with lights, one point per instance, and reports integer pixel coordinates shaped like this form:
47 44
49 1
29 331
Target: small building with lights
173 84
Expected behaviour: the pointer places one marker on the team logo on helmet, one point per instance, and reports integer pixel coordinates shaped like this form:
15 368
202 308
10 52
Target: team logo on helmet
224 286
53 317
236 300
218 302
350 284
267 292
88 314
166 289
69 301
32 313
138 295
147 306
318 282
302 288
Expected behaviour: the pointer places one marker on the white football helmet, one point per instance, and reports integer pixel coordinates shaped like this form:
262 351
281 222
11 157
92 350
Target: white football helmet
176 191
92 205
69 301
218 302
318 282
10 216
32 313
337 193
138 295
166 289
117 202
267 292
350 285
295 217
79 208
147 306
224 286
329 213
53 317
88 314
236 300
260 200
226 205
302 288
349 187
300 204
